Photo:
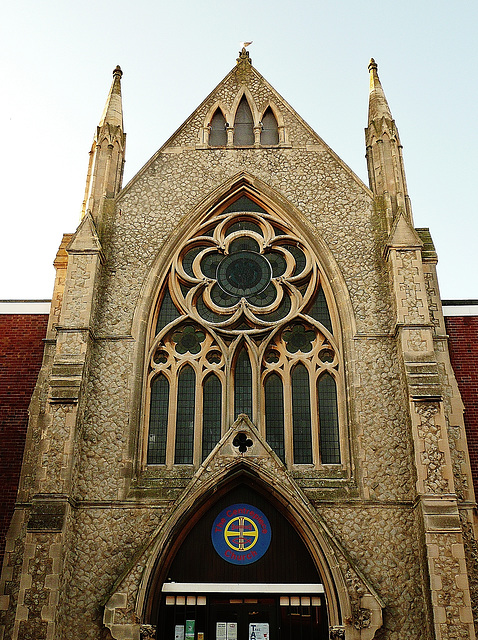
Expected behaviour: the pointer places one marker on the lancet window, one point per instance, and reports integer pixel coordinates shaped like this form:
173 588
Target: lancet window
243 326
244 130
243 125
217 132
269 130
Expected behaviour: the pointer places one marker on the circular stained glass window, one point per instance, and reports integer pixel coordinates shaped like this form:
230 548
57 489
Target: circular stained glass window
244 273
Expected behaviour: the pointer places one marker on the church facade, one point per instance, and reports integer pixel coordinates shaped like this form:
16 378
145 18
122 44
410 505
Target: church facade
246 424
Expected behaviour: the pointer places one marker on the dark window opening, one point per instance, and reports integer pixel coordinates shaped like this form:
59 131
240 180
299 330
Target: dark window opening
218 133
158 420
274 400
243 385
328 420
301 416
270 131
185 417
243 125
212 412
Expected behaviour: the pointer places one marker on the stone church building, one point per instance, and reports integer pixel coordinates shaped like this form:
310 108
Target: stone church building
246 425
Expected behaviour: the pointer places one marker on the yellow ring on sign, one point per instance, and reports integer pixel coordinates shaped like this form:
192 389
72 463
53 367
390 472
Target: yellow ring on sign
247 539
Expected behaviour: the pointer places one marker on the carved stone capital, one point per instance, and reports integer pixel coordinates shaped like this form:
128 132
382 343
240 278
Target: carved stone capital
147 632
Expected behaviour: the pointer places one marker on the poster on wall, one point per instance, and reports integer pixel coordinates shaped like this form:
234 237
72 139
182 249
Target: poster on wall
231 631
259 631
179 632
221 628
190 624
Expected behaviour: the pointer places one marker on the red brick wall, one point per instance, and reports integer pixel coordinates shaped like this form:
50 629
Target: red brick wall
463 332
21 352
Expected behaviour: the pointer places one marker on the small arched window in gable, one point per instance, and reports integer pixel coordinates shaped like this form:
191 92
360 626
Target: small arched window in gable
218 133
270 130
243 125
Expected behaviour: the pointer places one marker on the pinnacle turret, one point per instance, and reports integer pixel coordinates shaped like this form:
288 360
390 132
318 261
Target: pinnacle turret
105 168
384 155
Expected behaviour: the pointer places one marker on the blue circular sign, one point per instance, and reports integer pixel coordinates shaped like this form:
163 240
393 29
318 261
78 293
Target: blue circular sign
241 534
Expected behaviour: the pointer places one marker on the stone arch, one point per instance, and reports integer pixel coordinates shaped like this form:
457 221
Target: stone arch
205 129
244 92
347 593
299 515
270 104
242 184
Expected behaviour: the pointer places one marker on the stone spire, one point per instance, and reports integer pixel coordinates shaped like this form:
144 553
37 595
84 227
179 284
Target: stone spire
384 155
378 105
105 168
113 111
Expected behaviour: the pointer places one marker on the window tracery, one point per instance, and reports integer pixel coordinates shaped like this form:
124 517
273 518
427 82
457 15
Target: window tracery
242 325
243 125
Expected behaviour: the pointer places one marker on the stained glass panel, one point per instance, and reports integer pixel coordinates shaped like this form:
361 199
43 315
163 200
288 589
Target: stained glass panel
167 312
185 417
243 385
274 400
212 412
301 416
320 311
328 420
158 420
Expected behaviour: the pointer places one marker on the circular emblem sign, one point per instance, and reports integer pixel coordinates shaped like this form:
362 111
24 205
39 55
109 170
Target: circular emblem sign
241 534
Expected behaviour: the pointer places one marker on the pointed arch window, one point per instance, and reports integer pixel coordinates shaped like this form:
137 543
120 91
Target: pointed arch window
218 132
270 130
243 125
328 420
301 415
212 414
274 412
244 325
243 385
158 420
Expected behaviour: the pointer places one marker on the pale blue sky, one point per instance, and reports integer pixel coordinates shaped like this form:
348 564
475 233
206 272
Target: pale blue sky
56 63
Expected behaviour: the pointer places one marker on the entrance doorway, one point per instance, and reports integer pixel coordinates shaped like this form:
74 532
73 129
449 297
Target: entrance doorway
240 590
243 619
233 615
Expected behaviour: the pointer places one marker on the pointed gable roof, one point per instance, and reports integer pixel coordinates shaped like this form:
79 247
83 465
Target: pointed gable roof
244 79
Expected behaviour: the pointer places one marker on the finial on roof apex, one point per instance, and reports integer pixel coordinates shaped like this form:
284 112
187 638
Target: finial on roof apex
244 54
117 73
372 65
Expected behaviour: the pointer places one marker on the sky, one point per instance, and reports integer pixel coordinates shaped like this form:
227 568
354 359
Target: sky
57 57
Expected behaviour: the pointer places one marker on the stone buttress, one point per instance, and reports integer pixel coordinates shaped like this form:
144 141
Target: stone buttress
444 485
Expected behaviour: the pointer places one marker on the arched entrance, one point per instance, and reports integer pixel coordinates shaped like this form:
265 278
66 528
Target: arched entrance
250 588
